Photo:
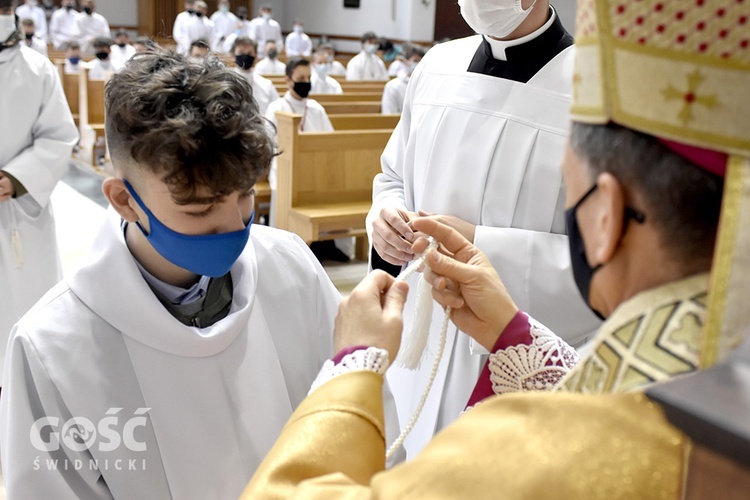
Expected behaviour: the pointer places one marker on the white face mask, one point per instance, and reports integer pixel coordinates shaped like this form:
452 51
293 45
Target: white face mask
497 18
322 69
7 26
298 30
266 16
371 48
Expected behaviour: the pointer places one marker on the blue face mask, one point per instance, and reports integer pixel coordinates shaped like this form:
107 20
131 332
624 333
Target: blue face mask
206 255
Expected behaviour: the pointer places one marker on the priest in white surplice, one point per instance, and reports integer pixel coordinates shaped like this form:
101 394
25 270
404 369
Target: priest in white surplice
37 134
480 142
185 341
63 26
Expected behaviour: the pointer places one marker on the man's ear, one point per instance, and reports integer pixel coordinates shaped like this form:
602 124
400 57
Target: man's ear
119 197
609 219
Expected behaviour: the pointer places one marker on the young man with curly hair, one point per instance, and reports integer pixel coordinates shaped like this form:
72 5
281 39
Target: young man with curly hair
166 366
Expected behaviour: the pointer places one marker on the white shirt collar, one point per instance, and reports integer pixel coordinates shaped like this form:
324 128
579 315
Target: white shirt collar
499 46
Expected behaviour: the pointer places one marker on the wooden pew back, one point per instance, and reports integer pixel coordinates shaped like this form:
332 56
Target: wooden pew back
364 121
70 87
357 107
324 186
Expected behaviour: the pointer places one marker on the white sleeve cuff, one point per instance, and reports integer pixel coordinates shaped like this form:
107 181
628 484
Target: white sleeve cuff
371 359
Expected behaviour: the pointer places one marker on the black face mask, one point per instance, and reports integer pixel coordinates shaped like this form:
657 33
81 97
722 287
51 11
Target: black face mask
102 55
121 45
190 11
68 8
273 54
583 273
245 61
199 14
29 36
88 10
302 89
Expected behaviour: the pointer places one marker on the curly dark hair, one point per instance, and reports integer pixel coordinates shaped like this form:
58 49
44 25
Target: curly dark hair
194 124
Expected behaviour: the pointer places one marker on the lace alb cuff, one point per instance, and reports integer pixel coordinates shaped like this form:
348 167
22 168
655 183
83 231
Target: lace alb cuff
536 367
371 359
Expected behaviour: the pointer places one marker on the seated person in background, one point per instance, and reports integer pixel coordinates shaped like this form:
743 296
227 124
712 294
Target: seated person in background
295 100
270 65
121 51
142 44
72 58
199 49
402 61
244 50
31 10
192 359
297 42
91 25
264 28
30 39
321 82
63 25
314 119
337 69
395 90
367 65
225 23
101 68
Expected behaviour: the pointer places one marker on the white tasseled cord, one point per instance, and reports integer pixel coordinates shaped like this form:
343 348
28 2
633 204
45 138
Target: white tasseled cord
413 351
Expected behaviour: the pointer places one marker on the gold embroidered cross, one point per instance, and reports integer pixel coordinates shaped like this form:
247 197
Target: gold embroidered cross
690 97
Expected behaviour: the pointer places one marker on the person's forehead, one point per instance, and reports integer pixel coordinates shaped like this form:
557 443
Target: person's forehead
301 70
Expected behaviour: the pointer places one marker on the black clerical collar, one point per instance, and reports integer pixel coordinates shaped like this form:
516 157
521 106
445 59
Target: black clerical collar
525 60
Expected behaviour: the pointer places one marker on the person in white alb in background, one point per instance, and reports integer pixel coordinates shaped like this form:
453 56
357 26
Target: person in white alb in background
264 28
199 50
225 23
101 68
395 90
314 119
179 30
297 42
63 25
91 26
244 50
501 188
321 82
31 10
337 69
400 63
199 26
367 65
37 135
121 51
73 58
270 65
30 39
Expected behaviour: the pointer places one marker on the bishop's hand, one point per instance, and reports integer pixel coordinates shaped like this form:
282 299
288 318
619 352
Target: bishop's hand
463 278
371 315
392 237
6 188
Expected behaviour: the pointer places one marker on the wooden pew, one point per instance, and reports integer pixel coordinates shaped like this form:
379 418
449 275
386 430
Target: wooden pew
364 121
349 97
357 107
324 188
70 87
91 107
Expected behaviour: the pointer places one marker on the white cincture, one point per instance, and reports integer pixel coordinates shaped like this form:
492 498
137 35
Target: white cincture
15 239
411 354
536 367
